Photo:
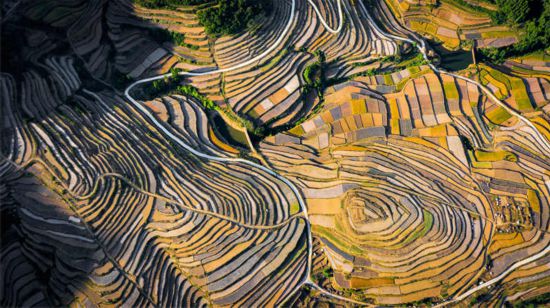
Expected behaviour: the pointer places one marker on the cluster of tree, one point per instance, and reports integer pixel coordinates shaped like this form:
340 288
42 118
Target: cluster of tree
162 86
161 35
191 91
512 12
224 17
171 84
314 79
313 73
231 16
400 62
532 18
515 12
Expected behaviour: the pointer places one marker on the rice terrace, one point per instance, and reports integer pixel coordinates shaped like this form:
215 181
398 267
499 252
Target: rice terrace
275 153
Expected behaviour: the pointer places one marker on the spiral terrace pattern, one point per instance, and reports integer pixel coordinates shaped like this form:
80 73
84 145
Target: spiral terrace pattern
189 248
400 188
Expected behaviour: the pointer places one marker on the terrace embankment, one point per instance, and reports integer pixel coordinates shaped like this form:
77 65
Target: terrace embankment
416 188
106 210
270 92
152 220
452 22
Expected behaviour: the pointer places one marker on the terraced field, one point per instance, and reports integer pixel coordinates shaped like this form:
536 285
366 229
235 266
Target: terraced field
454 22
363 173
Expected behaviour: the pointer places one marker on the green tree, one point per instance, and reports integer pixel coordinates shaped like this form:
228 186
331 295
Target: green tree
231 16
515 11
174 74
535 29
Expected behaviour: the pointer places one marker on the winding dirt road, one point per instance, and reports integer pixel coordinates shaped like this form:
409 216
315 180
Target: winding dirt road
543 143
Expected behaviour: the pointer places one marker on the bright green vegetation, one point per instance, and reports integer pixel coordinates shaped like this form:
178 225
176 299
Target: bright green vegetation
191 91
231 16
220 17
519 92
256 131
498 115
494 79
497 75
476 163
532 18
428 221
314 78
314 73
515 11
171 85
412 59
537 56
336 240
388 80
508 85
327 272
415 71
485 156
451 92
294 208
162 86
